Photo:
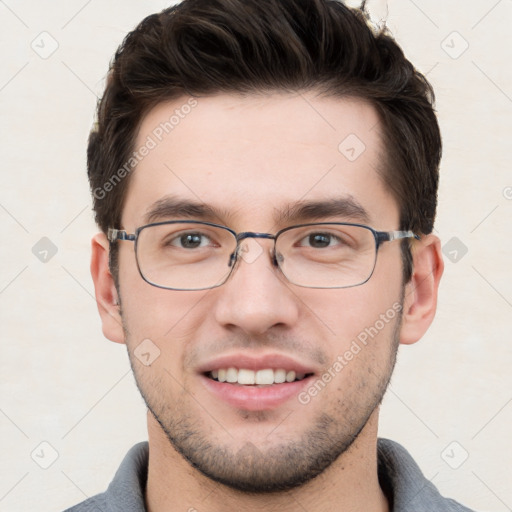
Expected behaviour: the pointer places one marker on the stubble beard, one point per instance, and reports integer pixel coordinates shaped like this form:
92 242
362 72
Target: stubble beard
280 467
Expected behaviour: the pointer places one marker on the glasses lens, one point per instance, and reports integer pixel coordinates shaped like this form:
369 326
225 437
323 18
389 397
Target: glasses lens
327 255
185 256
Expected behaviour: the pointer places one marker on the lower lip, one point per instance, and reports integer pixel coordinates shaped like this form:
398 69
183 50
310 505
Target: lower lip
254 398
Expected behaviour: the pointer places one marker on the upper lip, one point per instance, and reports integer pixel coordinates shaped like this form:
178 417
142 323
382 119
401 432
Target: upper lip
256 362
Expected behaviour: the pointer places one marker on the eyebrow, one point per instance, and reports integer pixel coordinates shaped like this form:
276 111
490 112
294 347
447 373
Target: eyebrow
170 207
344 208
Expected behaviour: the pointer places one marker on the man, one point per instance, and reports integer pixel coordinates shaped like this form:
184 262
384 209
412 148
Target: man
265 175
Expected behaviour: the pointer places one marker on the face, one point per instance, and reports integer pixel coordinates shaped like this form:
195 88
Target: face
254 161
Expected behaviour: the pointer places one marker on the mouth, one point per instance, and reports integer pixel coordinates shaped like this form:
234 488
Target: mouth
259 378
256 382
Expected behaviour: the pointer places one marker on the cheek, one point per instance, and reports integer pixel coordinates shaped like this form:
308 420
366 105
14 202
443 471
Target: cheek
161 318
347 313
360 364
152 312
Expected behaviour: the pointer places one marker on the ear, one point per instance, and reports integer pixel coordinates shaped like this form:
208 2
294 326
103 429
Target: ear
107 299
420 301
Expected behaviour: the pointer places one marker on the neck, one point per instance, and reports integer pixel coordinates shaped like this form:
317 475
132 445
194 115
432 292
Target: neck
349 484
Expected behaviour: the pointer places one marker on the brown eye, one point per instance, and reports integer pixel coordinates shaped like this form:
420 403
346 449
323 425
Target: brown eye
191 241
319 240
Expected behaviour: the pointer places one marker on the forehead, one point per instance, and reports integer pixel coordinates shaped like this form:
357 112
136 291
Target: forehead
250 157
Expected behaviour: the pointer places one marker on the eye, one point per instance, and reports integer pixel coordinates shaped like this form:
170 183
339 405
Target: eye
319 240
190 241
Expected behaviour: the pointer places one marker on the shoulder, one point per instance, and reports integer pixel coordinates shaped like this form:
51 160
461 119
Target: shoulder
126 491
96 503
406 486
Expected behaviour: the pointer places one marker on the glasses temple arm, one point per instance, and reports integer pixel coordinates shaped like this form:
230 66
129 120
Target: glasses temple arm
118 234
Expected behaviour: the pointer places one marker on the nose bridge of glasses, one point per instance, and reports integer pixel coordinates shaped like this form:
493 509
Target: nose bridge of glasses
251 234
248 248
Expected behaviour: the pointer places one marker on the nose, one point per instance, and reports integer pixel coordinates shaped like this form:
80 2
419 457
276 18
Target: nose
256 297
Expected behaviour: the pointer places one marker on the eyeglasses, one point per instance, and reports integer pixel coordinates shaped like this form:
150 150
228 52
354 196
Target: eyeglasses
192 255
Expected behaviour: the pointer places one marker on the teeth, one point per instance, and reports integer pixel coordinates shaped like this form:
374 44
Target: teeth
265 377
246 377
280 376
231 375
290 376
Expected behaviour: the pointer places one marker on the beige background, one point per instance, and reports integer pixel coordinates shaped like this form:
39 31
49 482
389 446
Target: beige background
65 385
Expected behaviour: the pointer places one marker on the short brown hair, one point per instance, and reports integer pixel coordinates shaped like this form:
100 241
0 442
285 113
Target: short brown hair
202 47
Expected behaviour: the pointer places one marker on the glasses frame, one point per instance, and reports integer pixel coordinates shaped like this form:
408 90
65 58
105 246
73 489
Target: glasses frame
114 235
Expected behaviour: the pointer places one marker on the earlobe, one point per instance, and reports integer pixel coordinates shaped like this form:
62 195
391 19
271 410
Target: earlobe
107 299
420 299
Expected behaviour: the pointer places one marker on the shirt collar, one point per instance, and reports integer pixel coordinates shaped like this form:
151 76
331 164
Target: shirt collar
400 478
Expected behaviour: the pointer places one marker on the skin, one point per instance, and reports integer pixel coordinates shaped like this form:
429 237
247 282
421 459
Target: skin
249 157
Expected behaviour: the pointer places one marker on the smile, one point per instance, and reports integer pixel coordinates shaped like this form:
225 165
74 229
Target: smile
263 377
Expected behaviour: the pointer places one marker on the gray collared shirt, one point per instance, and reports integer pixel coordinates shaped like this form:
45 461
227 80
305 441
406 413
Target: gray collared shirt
400 477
